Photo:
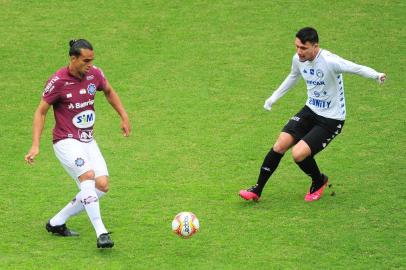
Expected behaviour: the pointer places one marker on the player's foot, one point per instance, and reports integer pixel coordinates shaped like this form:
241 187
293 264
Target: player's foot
316 190
104 241
61 230
250 194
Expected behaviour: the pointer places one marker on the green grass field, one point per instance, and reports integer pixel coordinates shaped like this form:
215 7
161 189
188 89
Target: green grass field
193 76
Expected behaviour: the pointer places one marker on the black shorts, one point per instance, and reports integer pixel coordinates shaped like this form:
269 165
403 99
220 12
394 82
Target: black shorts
317 131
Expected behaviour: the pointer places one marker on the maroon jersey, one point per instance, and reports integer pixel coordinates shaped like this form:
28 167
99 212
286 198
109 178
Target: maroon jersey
72 100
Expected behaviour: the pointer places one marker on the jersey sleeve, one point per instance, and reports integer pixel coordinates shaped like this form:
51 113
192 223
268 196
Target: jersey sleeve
102 81
290 81
52 90
341 65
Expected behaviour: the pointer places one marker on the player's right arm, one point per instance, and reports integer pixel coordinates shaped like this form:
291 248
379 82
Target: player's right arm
37 127
286 85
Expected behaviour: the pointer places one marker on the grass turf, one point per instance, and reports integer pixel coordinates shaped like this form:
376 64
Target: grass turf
193 77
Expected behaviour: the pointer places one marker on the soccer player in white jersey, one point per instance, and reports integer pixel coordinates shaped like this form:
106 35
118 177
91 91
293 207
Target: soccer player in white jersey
319 121
71 91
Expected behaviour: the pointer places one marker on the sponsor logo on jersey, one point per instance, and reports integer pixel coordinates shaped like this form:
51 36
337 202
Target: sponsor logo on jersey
71 106
91 89
79 105
68 95
323 104
50 86
90 77
85 135
84 119
320 94
315 82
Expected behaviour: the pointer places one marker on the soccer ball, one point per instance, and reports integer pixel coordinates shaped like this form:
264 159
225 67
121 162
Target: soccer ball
185 224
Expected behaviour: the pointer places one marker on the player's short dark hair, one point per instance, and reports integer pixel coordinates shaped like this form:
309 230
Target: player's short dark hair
76 45
308 34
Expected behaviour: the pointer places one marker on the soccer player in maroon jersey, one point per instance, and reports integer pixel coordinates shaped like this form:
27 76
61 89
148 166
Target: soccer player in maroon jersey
71 91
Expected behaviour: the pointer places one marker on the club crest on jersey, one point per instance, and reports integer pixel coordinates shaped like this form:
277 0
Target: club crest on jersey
84 119
319 73
79 162
91 89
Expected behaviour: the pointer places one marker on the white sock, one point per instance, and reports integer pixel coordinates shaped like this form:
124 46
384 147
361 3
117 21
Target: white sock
90 201
73 208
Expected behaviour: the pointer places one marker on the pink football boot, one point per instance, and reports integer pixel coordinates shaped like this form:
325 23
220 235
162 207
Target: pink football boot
315 195
249 194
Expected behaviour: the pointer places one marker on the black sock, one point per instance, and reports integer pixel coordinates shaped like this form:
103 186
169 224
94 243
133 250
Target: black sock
309 166
269 165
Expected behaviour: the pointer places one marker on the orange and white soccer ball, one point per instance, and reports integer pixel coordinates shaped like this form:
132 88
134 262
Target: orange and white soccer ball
185 224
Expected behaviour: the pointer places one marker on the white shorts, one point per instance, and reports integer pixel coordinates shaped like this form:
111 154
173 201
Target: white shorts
79 157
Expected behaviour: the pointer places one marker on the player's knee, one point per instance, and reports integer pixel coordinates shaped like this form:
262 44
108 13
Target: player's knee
102 184
283 143
298 154
297 157
103 187
87 175
280 148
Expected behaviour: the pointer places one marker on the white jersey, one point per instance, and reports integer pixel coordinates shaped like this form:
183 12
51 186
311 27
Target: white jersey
324 81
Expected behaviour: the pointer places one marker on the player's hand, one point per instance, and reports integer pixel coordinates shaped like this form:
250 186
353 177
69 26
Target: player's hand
29 158
126 127
381 78
268 104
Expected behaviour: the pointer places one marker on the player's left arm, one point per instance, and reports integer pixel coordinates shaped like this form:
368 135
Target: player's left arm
114 100
342 65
